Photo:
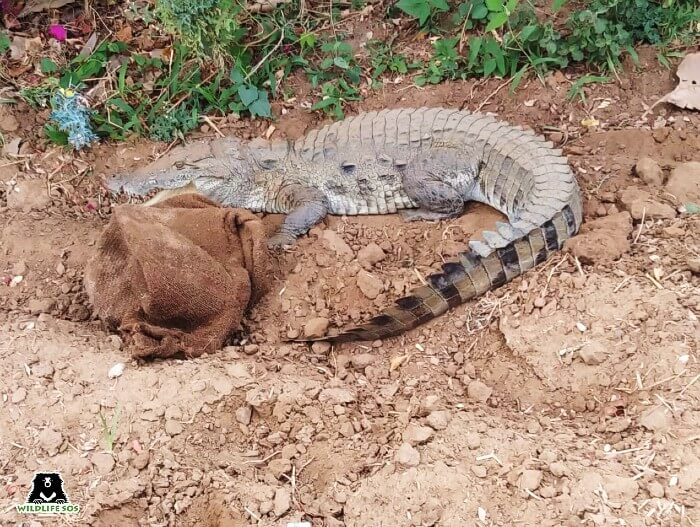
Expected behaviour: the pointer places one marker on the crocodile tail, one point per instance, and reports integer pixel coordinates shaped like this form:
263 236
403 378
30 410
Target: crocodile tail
460 281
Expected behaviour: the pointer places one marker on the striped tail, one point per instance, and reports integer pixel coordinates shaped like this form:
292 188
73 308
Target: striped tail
461 281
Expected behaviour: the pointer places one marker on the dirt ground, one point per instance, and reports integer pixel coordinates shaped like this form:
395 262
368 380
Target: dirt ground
568 397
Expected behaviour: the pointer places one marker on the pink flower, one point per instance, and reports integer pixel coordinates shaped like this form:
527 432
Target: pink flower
58 32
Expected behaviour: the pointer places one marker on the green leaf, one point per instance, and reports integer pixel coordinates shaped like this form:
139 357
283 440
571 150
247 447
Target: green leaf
474 47
416 8
248 94
517 78
440 5
489 67
236 75
558 4
307 40
324 103
480 12
496 21
692 208
261 107
55 135
48 66
495 6
528 31
341 62
511 5
4 43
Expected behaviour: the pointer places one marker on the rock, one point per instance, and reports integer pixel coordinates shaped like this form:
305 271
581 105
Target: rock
18 395
370 255
244 415
316 327
694 265
473 440
652 210
655 489
620 489
50 440
369 284
251 349
19 268
141 460
27 195
649 171
558 469
407 456
266 507
689 475
478 391
335 243
684 182
282 502
438 420
279 466
321 347
104 462
592 353
530 480
173 427
416 434
479 471
602 240
362 360
8 122
336 396
656 419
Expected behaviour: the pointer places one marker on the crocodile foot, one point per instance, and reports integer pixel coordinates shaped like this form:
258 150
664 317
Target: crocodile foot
281 241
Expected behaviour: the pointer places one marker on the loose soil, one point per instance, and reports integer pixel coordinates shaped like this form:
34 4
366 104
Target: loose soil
567 397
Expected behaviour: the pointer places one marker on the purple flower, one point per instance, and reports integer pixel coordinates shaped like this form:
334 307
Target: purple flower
58 32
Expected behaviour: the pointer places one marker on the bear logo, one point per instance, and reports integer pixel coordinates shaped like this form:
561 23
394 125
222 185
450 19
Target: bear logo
47 487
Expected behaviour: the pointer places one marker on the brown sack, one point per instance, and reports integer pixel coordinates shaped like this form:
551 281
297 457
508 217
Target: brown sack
176 278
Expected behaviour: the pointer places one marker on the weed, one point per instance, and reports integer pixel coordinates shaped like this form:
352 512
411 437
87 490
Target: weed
383 60
423 10
109 430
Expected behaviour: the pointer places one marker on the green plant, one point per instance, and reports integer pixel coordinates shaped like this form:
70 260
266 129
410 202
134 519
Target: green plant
109 430
423 10
443 65
4 42
383 59
334 95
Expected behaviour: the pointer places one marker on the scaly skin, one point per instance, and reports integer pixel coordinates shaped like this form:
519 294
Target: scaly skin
425 162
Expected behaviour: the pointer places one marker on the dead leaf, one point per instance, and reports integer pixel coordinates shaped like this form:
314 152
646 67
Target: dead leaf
35 6
11 148
590 122
687 93
124 34
396 362
89 46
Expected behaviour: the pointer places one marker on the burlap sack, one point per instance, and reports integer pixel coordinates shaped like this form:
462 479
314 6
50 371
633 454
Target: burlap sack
176 279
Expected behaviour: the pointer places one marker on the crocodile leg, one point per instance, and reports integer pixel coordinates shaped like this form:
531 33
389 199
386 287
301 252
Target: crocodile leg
436 199
307 206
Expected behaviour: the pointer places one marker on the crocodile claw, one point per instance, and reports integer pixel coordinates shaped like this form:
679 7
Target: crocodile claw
281 241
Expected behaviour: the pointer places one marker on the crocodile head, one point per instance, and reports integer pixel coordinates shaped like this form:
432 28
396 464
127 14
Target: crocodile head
194 166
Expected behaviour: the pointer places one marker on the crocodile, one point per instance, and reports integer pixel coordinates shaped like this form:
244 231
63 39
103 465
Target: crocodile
424 163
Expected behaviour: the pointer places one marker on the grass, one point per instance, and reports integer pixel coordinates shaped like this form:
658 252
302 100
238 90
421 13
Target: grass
226 58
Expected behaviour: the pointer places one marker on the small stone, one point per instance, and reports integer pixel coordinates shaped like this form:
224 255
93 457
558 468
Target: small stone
29 195
694 265
321 347
362 360
104 462
43 369
473 440
416 434
370 255
173 427
652 210
289 451
407 456
19 395
279 466
19 268
60 268
530 480
141 460
621 489
592 353
656 419
438 420
336 396
479 471
50 440
369 284
649 171
478 391
115 342
656 489
251 349
558 469
684 182
548 491
283 501
266 507
316 327
335 243
244 415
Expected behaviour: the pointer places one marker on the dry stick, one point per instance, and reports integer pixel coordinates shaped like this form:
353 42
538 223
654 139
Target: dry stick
264 59
211 123
483 103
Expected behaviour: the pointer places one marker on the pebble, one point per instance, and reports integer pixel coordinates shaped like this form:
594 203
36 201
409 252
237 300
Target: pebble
479 471
407 456
531 479
370 285
694 265
416 434
19 268
279 466
370 255
656 419
438 420
362 360
316 327
50 440
592 353
558 469
141 460
283 501
19 395
251 349
173 427
27 195
649 171
321 347
684 182
104 462
478 391
473 440
656 489
335 243
336 396
244 414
